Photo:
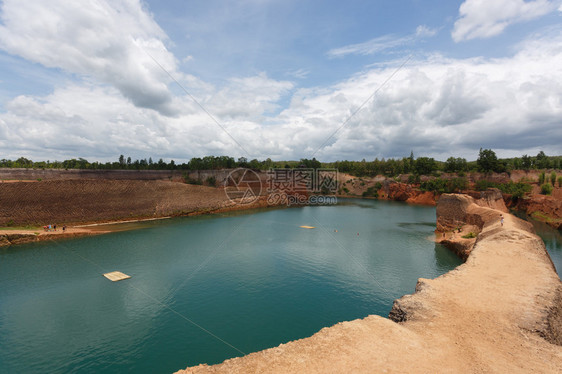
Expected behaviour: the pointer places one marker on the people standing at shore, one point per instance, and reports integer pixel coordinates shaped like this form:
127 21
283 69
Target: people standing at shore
63 228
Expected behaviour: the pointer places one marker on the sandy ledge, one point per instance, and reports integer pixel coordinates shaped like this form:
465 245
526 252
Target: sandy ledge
499 312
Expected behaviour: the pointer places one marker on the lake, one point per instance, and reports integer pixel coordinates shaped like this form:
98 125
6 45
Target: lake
207 288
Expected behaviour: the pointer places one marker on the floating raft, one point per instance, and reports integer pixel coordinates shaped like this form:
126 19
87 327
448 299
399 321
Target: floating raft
308 227
116 276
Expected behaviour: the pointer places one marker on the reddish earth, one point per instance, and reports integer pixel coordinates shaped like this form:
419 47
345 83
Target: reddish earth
543 208
72 201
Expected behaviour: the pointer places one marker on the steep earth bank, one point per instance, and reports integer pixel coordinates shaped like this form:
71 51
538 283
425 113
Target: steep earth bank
69 202
499 312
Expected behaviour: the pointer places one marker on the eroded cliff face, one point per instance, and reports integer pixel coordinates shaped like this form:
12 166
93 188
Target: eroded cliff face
498 312
543 208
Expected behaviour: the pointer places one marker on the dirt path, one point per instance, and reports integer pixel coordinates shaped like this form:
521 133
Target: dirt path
487 316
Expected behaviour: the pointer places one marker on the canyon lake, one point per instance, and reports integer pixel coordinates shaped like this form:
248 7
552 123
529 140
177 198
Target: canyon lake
207 288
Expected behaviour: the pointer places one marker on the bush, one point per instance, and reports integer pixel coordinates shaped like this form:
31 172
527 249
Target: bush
517 190
542 178
211 181
559 181
371 192
546 189
345 190
470 235
190 180
553 178
444 185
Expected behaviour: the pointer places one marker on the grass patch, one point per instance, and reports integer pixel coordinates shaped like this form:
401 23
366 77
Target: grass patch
540 216
470 235
28 227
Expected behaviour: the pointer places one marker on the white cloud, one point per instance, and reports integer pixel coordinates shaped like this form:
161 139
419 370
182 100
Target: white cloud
247 98
485 18
298 73
382 43
424 31
436 107
109 41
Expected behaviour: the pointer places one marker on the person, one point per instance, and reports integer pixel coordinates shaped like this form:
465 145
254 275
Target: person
55 227
501 219
63 228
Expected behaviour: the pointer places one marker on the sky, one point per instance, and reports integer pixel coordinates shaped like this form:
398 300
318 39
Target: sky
284 79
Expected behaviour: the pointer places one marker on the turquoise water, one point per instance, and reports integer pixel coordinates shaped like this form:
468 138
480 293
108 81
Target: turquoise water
204 289
553 241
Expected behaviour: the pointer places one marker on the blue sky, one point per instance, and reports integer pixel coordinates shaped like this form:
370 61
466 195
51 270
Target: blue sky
97 78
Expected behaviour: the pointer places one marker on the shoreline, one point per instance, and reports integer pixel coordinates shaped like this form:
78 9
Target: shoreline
500 311
10 237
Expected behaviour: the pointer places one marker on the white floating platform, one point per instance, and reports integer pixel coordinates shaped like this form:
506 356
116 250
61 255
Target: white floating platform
116 276
308 227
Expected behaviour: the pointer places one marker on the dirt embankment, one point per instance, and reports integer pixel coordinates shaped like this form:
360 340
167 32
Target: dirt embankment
499 312
71 201
547 209
79 201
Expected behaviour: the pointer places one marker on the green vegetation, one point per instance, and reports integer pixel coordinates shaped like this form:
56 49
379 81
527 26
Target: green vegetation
190 180
517 190
470 235
211 181
542 178
487 162
455 165
445 185
553 178
559 181
546 189
371 192
544 218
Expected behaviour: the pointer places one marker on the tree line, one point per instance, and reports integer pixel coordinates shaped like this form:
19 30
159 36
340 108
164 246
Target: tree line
487 161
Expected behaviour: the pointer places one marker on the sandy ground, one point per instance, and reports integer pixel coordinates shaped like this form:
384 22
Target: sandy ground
486 316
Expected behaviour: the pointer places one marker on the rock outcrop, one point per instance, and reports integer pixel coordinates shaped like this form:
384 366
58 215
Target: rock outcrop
543 208
500 312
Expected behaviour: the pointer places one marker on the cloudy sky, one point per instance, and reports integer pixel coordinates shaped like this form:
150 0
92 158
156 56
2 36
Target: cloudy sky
284 79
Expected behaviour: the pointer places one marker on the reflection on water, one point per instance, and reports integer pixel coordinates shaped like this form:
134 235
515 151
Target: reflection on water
207 288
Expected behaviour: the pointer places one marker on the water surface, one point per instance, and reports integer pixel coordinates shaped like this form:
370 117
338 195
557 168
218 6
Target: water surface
204 289
552 239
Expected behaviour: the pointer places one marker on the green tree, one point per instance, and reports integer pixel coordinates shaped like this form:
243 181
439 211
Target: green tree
553 178
487 161
526 162
454 165
310 164
542 178
425 165
546 189
542 161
